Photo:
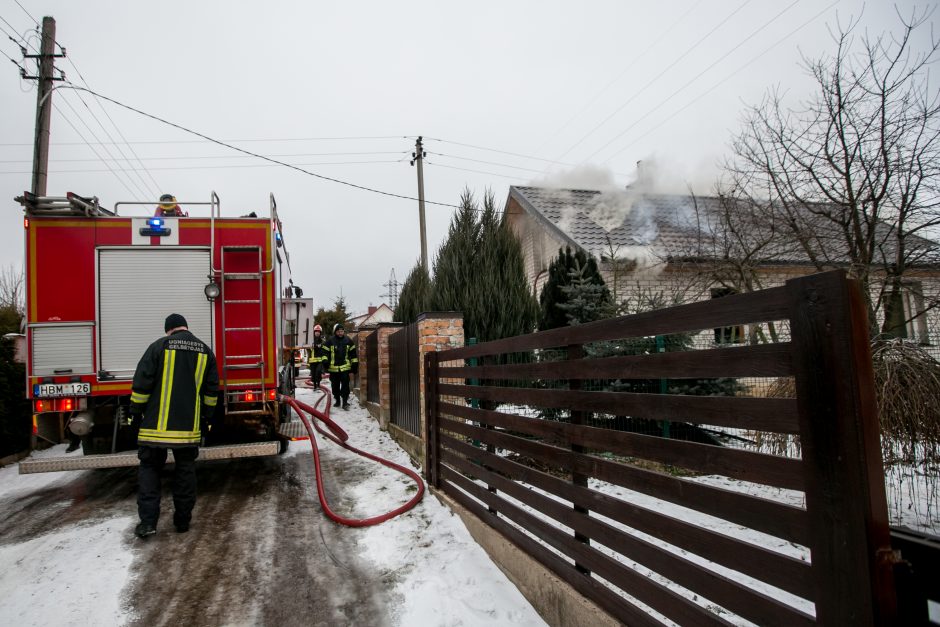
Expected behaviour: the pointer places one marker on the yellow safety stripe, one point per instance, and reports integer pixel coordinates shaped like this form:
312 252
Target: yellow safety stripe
137 397
201 361
210 401
169 437
169 362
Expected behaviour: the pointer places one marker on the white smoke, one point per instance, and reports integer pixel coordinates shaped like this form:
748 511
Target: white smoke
617 205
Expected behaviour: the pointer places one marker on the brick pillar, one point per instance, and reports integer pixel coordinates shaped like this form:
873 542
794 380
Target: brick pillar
363 378
383 410
437 331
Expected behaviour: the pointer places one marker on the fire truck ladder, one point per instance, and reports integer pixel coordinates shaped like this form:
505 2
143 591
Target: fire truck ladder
249 262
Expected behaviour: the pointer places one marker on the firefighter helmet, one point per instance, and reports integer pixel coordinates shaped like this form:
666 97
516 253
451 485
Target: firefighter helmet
167 201
317 327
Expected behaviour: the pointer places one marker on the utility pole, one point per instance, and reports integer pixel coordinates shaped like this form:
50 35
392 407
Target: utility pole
46 58
418 156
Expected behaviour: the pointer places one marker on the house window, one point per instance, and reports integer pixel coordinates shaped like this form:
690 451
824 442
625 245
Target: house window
727 335
915 316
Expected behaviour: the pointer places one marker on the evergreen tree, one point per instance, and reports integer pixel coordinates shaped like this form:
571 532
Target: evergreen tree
507 307
326 318
415 297
479 272
455 271
586 299
551 314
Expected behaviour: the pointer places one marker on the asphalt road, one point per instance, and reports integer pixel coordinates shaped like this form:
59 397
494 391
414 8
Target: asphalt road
260 550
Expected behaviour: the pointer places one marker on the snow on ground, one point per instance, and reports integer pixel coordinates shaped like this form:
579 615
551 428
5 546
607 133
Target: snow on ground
438 574
442 575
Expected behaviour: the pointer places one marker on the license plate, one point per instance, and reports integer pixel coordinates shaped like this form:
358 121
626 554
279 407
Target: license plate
45 390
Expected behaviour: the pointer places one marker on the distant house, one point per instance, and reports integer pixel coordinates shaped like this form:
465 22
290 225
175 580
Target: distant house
374 315
672 246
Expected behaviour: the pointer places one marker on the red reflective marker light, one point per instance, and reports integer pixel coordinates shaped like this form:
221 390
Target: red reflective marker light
42 405
65 404
249 396
272 395
25 223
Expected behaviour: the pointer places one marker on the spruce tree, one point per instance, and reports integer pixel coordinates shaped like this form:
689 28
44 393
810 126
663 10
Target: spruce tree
479 271
551 314
415 297
586 299
507 307
326 318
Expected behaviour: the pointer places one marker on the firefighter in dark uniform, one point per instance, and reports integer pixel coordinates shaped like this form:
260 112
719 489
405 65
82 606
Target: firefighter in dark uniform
174 393
317 356
340 353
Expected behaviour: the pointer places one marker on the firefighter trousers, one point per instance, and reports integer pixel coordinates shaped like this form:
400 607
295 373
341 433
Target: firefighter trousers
339 382
152 461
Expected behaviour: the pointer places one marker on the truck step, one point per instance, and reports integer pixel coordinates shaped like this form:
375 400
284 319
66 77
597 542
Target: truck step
295 430
129 458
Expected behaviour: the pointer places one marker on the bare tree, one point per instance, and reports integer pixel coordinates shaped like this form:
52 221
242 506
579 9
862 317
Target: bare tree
12 289
852 176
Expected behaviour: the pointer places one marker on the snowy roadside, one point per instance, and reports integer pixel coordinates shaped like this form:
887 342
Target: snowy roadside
439 573
80 570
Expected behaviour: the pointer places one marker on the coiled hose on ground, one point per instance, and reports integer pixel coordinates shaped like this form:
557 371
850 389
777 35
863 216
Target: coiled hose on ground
339 436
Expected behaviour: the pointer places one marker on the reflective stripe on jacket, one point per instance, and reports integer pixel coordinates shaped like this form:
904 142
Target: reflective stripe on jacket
317 355
339 354
176 376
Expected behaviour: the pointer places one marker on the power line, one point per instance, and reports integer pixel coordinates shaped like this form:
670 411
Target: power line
656 78
239 141
26 12
693 79
294 154
144 188
212 167
77 132
143 193
116 127
726 78
453 167
502 165
598 94
502 152
248 152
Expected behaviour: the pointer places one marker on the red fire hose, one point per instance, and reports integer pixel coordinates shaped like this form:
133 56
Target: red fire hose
339 436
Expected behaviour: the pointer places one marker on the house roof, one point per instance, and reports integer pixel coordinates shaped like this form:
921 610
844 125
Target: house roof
382 313
666 226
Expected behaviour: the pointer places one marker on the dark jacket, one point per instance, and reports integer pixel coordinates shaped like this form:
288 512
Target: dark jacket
175 384
317 354
340 355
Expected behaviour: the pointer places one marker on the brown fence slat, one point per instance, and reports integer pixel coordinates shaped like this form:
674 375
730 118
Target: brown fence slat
778 570
842 452
737 309
617 606
763 360
731 595
403 374
760 468
778 415
776 519
659 597
372 367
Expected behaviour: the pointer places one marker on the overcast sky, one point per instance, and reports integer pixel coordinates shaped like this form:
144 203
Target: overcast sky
504 93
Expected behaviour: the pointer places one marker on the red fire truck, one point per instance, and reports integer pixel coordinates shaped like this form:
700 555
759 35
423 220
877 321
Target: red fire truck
98 287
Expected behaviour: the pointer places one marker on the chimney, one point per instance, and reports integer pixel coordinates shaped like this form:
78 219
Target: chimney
372 309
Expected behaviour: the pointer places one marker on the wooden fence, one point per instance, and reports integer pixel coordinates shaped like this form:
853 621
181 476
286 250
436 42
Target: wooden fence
372 367
404 378
535 480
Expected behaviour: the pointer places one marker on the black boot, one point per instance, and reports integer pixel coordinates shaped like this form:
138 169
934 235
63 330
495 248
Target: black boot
145 530
336 402
346 404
